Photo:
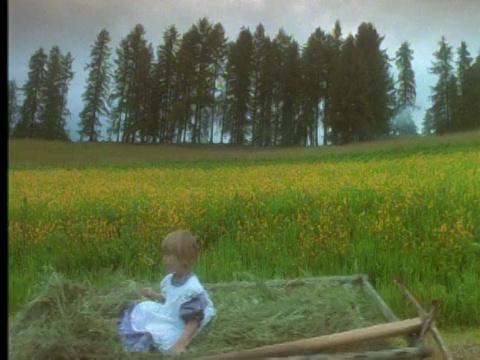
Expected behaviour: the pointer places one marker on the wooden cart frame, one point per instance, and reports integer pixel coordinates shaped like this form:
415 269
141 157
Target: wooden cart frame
414 330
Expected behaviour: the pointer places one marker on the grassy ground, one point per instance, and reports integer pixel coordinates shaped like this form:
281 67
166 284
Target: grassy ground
462 343
63 193
41 153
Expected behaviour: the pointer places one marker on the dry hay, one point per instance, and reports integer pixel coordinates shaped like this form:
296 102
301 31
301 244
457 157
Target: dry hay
72 320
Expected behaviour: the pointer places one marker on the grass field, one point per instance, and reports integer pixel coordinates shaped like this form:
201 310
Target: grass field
38 153
406 208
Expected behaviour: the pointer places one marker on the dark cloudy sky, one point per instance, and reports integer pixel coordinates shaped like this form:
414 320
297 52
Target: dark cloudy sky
74 24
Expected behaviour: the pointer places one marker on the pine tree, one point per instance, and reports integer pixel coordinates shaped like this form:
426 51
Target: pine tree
331 56
351 108
28 126
471 97
406 92
291 84
308 87
165 87
464 63
226 94
95 96
380 92
427 123
218 43
315 71
147 127
319 58
55 111
454 99
118 95
51 95
266 84
132 86
186 70
13 109
441 107
204 35
258 59
280 46
240 68
66 76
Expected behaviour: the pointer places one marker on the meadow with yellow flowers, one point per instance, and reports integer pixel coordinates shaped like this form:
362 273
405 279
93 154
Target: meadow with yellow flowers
409 212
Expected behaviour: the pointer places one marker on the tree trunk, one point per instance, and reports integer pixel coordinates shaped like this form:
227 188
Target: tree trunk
222 131
213 106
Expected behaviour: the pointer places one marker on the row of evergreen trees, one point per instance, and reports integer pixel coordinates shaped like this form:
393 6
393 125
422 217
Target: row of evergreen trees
255 90
44 110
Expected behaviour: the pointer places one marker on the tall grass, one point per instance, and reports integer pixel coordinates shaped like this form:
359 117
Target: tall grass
415 216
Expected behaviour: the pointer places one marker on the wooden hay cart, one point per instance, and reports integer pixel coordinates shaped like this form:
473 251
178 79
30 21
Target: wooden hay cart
324 347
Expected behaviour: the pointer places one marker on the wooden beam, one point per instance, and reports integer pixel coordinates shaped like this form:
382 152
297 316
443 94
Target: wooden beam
285 282
402 353
384 308
381 304
433 328
430 319
326 342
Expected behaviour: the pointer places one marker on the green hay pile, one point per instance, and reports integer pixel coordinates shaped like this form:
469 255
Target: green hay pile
70 320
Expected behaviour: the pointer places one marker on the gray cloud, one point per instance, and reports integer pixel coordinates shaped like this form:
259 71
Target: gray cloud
74 24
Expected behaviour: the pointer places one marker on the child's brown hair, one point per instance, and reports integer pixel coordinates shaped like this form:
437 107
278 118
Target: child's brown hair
184 245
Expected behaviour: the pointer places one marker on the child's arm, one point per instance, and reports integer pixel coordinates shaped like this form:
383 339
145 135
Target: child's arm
191 312
191 328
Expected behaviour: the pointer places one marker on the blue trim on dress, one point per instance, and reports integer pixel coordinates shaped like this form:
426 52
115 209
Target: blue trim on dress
182 281
131 339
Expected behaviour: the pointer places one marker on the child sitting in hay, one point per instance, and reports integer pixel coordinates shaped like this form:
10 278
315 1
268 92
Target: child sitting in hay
71 320
178 312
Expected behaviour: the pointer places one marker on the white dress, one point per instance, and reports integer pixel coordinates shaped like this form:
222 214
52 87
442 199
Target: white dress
164 321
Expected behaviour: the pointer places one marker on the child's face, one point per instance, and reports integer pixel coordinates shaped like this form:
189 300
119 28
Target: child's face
171 263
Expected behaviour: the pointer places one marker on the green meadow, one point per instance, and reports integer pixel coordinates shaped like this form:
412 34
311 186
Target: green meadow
406 208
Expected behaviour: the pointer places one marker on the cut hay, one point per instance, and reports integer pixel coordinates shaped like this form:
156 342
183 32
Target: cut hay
71 320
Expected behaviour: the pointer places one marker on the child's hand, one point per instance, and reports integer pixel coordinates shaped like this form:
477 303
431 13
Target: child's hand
178 349
151 294
148 292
